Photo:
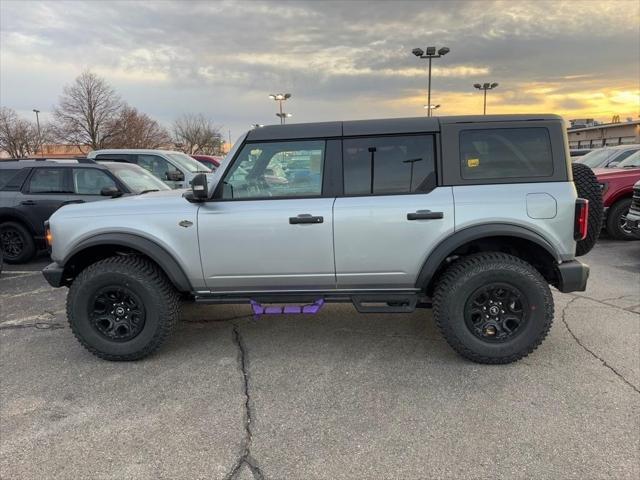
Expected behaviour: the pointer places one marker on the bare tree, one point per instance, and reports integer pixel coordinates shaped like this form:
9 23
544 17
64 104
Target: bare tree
133 129
197 134
87 112
18 137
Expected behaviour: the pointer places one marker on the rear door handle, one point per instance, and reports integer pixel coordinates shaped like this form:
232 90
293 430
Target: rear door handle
305 218
424 215
28 202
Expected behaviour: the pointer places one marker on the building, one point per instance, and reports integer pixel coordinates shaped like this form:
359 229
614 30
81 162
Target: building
603 134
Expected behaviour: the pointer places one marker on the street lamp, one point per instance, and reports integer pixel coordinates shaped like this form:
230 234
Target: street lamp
485 87
430 109
430 54
37 112
281 97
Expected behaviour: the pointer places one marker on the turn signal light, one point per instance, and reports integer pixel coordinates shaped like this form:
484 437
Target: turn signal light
47 236
581 224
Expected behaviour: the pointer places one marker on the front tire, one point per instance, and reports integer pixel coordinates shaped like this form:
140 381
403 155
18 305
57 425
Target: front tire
493 308
122 308
616 221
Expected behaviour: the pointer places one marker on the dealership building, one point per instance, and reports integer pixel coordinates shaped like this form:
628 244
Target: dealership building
588 134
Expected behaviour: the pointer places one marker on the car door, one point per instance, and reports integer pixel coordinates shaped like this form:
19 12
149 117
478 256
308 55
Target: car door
271 231
392 213
46 190
88 183
162 169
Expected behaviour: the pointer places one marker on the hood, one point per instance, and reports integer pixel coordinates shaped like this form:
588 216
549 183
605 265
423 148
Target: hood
145 204
612 173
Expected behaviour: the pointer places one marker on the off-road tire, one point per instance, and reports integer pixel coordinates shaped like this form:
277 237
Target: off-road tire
29 245
468 274
588 188
614 228
148 282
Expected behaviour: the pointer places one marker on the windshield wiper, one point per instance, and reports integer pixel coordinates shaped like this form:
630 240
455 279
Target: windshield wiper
150 190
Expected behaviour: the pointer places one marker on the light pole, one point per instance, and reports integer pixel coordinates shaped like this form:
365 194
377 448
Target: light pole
429 54
281 97
431 108
485 87
37 112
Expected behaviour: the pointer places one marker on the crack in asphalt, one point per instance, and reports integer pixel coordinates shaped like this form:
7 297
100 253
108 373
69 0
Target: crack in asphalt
245 453
37 325
596 356
604 302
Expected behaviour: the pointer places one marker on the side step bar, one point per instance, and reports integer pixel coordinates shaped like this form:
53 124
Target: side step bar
386 304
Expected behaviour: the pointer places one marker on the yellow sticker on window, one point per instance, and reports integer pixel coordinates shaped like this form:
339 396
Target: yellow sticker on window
473 162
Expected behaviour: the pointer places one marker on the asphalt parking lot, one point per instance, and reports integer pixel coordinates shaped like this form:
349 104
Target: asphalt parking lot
332 396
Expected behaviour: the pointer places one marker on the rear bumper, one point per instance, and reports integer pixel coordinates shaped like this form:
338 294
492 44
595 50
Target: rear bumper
572 276
53 273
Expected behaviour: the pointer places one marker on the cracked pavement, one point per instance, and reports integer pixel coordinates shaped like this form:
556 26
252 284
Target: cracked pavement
332 396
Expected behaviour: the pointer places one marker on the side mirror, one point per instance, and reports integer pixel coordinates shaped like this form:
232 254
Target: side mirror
613 165
174 176
112 192
200 187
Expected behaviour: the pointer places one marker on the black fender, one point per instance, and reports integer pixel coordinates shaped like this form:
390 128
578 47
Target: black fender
143 245
459 238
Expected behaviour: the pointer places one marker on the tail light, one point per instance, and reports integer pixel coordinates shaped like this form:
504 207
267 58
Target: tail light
581 223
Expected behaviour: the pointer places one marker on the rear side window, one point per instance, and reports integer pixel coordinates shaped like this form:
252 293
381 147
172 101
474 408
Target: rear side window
505 153
389 165
14 182
6 175
48 180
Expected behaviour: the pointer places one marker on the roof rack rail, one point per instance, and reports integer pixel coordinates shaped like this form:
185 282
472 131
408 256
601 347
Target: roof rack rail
85 160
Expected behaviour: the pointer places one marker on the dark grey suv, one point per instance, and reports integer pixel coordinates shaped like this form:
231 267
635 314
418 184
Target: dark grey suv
31 190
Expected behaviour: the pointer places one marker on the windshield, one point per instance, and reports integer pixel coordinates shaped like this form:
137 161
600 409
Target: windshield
631 162
136 178
189 164
596 158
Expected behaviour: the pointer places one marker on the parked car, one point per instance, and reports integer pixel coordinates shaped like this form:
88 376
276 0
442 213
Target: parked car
633 217
176 169
474 215
608 157
211 161
617 192
575 153
31 190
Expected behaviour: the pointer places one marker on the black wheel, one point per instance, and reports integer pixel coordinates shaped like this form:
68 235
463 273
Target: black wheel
588 187
617 221
16 243
493 307
122 308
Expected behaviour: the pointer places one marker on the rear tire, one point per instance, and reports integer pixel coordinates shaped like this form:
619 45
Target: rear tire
16 242
467 295
616 221
588 187
122 308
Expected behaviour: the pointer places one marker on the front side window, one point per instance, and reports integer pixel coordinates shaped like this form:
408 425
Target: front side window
505 153
389 165
91 181
48 180
158 166
276 169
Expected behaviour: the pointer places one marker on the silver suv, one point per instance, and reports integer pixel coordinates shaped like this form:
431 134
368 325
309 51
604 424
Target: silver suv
474 216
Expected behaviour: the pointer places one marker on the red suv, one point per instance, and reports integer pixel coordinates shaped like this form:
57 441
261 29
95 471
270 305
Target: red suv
617 192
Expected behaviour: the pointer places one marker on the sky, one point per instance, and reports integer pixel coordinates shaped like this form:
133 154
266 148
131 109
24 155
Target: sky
339 60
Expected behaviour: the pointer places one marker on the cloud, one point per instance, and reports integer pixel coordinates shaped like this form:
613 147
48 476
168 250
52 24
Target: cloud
340 59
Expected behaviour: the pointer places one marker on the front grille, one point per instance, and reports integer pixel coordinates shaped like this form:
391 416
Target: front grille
635 203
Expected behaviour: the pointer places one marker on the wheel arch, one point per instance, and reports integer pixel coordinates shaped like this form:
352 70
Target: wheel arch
13 216
109 244
513 239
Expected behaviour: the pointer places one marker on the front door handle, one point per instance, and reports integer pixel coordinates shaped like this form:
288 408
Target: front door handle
425 215
305 218
28 202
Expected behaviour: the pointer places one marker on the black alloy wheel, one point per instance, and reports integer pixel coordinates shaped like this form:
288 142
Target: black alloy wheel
496 312
117 313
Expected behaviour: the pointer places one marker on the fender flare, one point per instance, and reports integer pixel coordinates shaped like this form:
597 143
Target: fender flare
148 247
444 248
14 215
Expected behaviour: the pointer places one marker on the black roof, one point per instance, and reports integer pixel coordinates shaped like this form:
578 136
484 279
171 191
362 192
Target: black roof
61 162
380 126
